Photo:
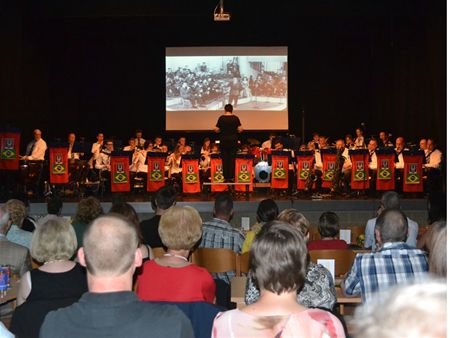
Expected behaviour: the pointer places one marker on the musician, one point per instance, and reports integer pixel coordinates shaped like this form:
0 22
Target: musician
384 140
97 146
182 141
373 163
323 142
139 140
138 160
349 144
157 143
423 145
315 140
432 167
70 154
268 143
103 161
174 165
315 174
36 149
359 140
399 148
131 145
343 169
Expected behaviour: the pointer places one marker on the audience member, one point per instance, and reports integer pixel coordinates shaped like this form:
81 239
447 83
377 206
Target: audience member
54 205
110 309
389 201
172 277
329 232
165 198
58 283
277 313
88 209
267 211
438 252
417 310
394 263
17 213
318 289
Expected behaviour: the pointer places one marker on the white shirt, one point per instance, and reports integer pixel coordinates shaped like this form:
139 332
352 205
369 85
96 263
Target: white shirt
267 144
373 162
318 165
400 164
138 161
435 159
103 162
76 156
96 147
39 148
359 142
347 161
141 142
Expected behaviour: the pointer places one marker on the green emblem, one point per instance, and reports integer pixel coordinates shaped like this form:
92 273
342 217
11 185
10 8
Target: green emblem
279 173
120 178
191 176
156 176
385 172
8 152
412 176
58 167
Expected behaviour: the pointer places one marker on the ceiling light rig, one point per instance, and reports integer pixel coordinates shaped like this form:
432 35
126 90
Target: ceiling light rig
219 14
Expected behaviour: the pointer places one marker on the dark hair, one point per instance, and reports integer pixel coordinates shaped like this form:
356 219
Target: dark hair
390 200
223 204
328 224
165 197
54 205
267 210
228 107
393 225
129 213
278 258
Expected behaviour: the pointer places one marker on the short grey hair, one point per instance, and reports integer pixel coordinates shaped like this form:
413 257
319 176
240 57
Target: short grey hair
390 200
417 310
4 216
393 225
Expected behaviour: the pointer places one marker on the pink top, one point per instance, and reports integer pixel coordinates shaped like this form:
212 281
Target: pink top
310 323
190 283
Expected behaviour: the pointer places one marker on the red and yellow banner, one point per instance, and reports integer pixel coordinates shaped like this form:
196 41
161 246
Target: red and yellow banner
244 172
9 150
156 171
217 175
59 165
385 171
190 174
413 172
120 174
329 164
305 163
280 170
360 169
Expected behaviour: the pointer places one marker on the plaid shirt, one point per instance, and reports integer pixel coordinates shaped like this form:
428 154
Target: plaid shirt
219 234
395 263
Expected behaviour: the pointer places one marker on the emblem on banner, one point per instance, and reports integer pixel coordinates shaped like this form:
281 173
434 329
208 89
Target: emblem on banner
279 171
385 172
218 174
329 172
243 175
412 175
58 167
156 174
191 176
304 170
119 174
360 173
8 152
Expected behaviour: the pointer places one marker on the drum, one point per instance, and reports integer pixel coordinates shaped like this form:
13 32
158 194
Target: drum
262 172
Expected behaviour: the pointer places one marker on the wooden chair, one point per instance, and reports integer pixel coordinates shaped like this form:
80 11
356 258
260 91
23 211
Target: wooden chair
158 252
242 264
343 259
356 231
215 260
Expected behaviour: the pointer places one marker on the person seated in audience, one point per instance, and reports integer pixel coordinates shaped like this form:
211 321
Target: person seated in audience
417 310
277 312
267 211
437 258
389 200
394 263
57 283
17 213
329 233
88 209
318 289
172 277
111 255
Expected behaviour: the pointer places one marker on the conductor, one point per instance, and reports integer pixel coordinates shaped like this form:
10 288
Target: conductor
228 126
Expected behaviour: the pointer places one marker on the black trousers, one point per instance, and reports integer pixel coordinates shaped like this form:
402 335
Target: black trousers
228 160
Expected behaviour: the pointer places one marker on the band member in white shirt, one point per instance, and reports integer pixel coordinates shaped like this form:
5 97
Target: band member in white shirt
103 161
432 167
36 148
139 140
70 154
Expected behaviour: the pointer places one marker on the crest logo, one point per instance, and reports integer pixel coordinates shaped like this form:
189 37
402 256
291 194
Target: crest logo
119 175
191 176
384 164
279 172
7 151
58 167
156 174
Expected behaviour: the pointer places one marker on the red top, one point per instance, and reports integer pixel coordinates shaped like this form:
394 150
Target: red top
328 244
189 283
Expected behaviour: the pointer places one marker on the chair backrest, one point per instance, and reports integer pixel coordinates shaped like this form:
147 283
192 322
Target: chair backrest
215 260
158 252
242 264
356 231
343 259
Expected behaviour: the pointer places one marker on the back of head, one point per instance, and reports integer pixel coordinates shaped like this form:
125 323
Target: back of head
278 258
4 219
267 210
126 210
390 200
17 211
109 245
393 226
418 310
328 224
165 197
438 250
223 204
180 228
88 210
54 205
296 219
228 108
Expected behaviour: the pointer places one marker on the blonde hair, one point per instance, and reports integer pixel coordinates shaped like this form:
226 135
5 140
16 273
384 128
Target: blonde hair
296 219
180 227
55 239
17 211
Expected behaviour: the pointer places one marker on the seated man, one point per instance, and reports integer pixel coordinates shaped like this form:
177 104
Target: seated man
395 262
399 163
111 255
343 170
433 159
373 163
36 149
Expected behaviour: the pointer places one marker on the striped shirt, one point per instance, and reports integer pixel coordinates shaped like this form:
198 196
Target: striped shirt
395 263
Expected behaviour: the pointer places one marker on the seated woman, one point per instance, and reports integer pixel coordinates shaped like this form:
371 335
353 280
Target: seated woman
318 290
267 211
88 209
58 283
172 277
278 263
329 231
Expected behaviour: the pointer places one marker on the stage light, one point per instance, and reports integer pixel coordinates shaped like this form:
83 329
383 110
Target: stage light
220 15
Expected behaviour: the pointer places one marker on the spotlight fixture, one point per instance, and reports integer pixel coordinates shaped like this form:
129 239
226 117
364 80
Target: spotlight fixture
220 15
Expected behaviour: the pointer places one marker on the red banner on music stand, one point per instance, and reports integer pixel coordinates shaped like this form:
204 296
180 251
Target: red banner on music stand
190 174
9 151
156 171
280 170
360 169
413 172
244 172
217 174
120 173
59 165
385 170
305 163
329 163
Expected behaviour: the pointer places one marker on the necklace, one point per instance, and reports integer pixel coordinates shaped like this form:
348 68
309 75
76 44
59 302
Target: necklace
54 261
178 256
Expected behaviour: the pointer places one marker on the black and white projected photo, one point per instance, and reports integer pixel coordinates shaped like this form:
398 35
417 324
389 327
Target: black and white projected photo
201 80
